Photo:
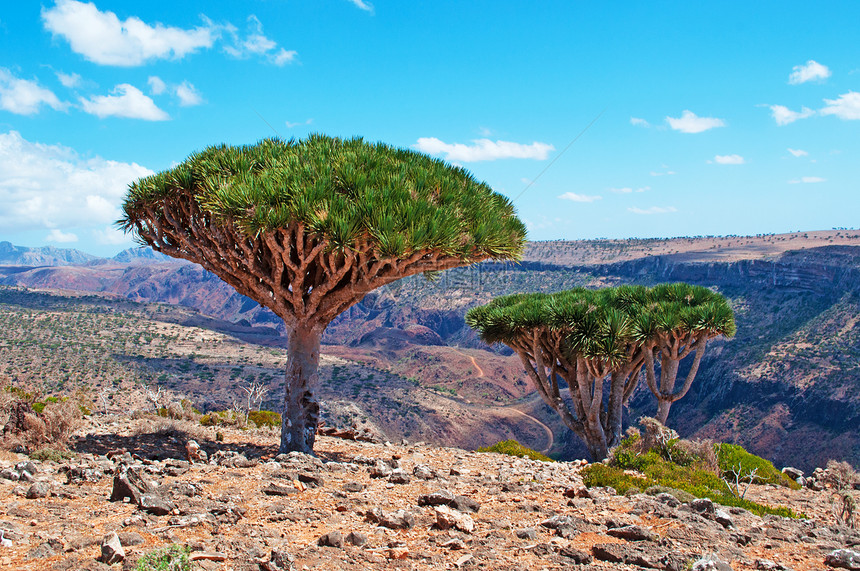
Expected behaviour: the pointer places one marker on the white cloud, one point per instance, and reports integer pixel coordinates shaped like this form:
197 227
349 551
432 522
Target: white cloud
629 190
483 150
689 122
111 236
653 210
188 95
52 187
61 237
362 5
664 173
70 80
579 197
807 180
25 97
847 106
255 43
798 152
810 71
291 125
103 38
783 115
127 101
156 85
729 160
637 122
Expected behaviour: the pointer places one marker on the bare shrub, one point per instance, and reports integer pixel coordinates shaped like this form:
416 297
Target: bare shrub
702 451
61 420
52 428
840 475
170 427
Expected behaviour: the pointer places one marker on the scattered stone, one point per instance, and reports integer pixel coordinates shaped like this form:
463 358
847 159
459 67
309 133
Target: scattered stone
278 490
529 533
353 487
703 506
668 499
446 518
112 550
424 472
312 480
843 559
711 563
193 452
356 538
130 538
464 560
439 498
577 556
631 533
207 556
156 504
793 473
400 519
231 459
380 469
454 544
38 490
724 519
128 483
331 539
399 477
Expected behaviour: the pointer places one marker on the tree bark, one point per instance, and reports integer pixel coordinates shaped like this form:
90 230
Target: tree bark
301 408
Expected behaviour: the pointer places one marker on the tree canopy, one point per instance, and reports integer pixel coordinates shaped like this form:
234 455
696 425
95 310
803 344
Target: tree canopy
308 227
588 337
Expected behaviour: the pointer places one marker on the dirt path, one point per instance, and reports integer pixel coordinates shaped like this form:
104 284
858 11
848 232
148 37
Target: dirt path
474 362
550 439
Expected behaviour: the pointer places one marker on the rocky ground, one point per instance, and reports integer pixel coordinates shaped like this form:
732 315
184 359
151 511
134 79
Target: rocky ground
364 505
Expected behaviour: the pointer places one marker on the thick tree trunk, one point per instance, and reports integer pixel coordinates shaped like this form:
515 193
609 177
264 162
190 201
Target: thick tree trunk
301 408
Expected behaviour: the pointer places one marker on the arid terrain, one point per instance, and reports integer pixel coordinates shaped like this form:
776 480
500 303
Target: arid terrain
362 505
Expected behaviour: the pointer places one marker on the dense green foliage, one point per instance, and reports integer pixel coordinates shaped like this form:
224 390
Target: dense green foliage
344 191
675 467
171 558
514 448
265 418
734 457
599 324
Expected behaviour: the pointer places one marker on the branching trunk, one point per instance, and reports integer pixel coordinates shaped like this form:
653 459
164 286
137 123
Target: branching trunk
301 407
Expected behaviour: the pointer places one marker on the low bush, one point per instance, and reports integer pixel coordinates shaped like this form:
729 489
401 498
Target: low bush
51 455
733 458
263 418
171 558
514 448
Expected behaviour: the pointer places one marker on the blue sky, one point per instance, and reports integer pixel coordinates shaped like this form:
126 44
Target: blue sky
705 118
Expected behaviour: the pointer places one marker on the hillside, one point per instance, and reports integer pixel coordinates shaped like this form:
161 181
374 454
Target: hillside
786 387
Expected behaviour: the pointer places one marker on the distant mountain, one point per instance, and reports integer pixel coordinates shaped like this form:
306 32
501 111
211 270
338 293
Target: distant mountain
11 255
142 254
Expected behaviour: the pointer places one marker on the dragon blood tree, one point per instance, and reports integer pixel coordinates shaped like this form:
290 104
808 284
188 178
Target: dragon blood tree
584 349
307 228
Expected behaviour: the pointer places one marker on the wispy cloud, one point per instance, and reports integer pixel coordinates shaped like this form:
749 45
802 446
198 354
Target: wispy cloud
637 122
256 43
483 150
728 160
157 86
807 180
291 125
783 115
70 80
572 196
61 237
24 96
811 70
798 152
846 106
360 4
653 210
663 173
689 122
188 94
629 190
102 38
125 101
52 187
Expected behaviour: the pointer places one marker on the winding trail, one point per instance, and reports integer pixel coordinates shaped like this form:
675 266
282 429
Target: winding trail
550 439
474 362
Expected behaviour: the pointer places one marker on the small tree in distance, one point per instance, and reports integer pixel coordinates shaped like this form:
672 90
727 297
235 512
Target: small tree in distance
307 228
573 343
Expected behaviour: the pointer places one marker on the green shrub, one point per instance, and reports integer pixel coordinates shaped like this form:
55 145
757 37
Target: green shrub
679 495
171 558
514 448
39 407
265 418
733 457
49 454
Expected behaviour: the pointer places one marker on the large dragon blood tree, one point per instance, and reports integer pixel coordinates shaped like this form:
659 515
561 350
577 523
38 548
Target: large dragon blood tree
308 227
584 349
